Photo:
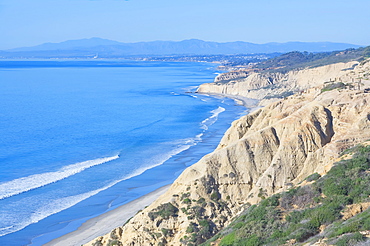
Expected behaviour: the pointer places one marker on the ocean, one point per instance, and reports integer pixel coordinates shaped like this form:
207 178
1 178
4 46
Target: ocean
80 138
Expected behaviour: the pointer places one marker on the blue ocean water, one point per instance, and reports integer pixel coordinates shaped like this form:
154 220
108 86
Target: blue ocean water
79 138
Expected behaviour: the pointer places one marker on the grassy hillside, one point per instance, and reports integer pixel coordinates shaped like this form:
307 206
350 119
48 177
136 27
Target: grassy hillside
322 210
295 60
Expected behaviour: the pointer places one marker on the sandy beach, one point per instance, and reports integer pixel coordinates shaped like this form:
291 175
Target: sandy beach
106 222
251 104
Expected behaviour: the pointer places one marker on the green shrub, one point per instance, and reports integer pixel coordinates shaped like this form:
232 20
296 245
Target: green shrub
114 243
295 217
312 177
97 243
184 195
277 234
201 200
215 196
166 232
350 239
228 240
205 231
257 213
192 228
164 211
303 233
251 241
332 86
323 215
333 187
239 225
186 201
271 201
198 211
352 227
204 223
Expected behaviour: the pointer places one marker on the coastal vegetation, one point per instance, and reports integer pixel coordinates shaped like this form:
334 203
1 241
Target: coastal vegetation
201 226
331 86
227 61
164 211
297 60
317 211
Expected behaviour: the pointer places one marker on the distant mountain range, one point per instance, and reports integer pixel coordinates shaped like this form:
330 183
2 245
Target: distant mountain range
93 47
70 44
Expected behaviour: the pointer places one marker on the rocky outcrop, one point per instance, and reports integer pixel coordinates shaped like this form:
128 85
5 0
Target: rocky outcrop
354 209
267 85
262 153
232 75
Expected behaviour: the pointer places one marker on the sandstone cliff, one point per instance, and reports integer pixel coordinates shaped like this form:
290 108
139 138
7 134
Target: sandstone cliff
267 85
262 153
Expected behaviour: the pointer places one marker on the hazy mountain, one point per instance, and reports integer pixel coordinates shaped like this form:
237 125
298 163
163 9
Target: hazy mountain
108 48
70 44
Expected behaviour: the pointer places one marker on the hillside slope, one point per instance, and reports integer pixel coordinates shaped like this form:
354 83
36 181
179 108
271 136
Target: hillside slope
265 152
328 210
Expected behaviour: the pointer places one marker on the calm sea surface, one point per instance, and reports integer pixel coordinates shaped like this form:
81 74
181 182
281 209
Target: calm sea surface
79 138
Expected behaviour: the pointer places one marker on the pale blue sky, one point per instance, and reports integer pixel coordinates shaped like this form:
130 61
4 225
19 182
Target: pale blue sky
32 22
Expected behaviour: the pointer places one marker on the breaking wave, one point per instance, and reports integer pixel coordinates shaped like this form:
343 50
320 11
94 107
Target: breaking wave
24 184
212 119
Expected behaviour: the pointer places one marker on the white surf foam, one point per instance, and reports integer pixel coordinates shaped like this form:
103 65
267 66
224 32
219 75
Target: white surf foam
58 205
46 210
8 228
28 183
212 119
191 88
158 160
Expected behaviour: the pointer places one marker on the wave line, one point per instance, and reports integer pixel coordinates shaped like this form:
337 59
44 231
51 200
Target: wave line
212 119
24 184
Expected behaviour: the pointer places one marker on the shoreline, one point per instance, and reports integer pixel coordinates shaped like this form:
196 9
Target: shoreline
106 222
249 103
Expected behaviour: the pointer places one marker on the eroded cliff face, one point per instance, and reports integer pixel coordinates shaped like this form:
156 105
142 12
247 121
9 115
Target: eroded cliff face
262 153
266 85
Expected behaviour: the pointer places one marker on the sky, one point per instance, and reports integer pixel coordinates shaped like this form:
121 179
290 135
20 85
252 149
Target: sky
32 22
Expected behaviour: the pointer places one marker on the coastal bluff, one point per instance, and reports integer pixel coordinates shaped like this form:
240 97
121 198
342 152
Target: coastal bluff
267 151
271 85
